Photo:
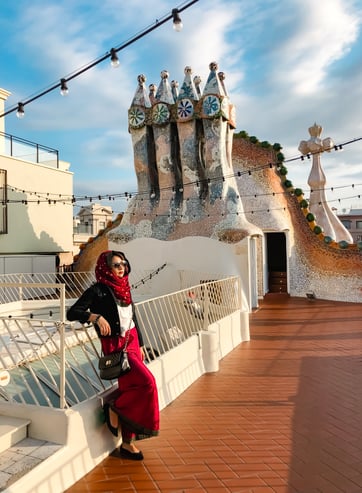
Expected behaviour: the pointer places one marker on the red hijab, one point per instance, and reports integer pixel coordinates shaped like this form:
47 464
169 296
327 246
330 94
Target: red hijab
104 274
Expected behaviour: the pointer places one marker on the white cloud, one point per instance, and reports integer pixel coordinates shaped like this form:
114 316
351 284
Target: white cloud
111 149
288 63
323 32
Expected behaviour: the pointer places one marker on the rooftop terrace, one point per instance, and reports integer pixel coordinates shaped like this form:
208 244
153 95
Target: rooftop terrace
283 414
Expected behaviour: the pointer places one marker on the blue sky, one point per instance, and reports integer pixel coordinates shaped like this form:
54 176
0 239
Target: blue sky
288 64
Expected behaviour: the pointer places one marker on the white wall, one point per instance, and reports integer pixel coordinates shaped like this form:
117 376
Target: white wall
193 253
33 227
30 264
4 94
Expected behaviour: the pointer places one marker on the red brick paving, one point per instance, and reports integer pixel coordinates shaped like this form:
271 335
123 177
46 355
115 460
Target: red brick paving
283 414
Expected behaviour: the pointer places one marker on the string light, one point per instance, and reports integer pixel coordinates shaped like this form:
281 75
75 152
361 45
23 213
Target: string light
177 23
20 110
337 147
115 62
237 213
63 87
145 193
159 22
148 277
140 194
114 58
73 200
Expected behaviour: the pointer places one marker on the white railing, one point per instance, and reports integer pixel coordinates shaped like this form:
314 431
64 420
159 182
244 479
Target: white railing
29 151
169 320
144 283
74 282
46 360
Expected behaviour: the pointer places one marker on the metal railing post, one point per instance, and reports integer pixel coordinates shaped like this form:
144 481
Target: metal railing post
206 307
239 294
20 288
62 348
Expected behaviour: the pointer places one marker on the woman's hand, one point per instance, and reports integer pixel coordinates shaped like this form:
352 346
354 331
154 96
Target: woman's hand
104 327
142 353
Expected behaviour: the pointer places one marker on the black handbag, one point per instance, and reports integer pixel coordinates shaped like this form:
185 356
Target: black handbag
114 365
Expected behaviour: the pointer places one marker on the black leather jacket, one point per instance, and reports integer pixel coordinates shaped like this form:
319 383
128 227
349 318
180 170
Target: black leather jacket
99 298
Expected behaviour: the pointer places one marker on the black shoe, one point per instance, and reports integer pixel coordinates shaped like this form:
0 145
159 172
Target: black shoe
111 428
126 454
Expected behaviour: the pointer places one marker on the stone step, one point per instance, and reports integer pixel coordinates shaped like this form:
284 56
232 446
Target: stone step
12 431
20 461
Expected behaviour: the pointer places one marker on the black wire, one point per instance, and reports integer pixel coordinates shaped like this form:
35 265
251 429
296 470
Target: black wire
85 68
303 157
127 195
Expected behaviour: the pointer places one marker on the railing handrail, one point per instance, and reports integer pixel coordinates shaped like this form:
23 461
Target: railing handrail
31 285
29 142
143 282
33 145
62 320
62 356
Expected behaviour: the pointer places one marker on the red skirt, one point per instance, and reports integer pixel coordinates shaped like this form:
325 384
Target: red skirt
136 399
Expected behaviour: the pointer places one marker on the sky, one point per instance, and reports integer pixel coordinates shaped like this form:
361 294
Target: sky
288 64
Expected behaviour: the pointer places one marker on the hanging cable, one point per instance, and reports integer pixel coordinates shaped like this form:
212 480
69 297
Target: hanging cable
74 200
113 52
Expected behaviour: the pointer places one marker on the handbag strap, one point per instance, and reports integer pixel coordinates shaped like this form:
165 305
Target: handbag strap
124 350
127 337
130 322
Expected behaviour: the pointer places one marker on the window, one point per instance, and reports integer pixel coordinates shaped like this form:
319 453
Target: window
346 223
3 202
359 224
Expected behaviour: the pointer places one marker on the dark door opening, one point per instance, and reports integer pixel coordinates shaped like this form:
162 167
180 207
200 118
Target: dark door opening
277 262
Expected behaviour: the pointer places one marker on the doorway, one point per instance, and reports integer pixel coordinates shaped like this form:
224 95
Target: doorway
277 262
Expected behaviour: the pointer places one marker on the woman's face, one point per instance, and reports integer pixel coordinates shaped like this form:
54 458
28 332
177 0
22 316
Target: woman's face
118 266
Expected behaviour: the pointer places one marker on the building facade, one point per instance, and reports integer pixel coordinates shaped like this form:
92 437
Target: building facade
36 219
352 221
90 220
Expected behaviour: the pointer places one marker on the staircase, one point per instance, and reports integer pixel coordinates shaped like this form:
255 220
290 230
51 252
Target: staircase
19 454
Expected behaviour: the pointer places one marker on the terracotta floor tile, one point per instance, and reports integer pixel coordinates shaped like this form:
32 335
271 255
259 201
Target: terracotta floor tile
249 482
283 414
262 489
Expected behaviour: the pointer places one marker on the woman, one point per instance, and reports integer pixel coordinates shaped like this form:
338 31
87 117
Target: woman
108 305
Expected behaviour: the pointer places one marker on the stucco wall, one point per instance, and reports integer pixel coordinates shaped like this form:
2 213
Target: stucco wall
313 265
199 254
32 226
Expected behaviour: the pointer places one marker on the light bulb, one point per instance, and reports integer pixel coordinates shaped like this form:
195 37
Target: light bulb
114 58
178 26
20 113
63 87
177 23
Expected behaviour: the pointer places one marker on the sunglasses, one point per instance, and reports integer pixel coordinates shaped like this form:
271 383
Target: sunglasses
117 265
